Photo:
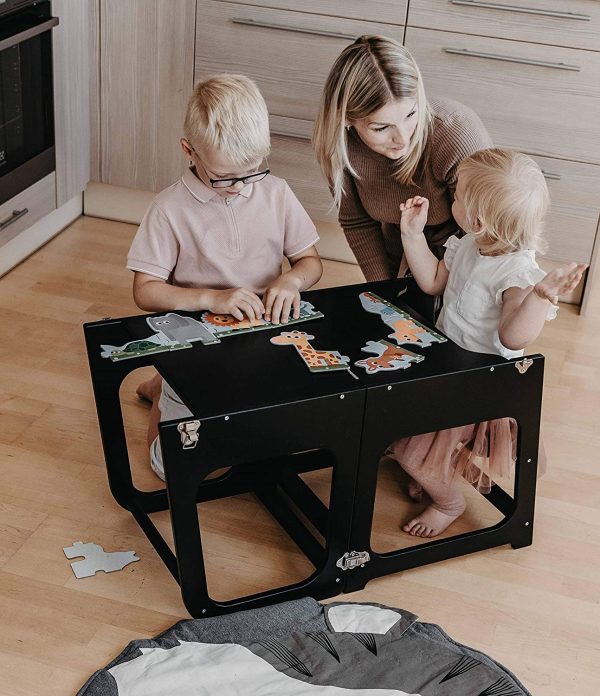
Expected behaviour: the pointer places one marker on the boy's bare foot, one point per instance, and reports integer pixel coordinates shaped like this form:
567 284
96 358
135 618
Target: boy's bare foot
429 523
415 490
150 389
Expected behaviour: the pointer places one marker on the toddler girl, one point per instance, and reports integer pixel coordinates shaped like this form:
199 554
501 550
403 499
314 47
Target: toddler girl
496 300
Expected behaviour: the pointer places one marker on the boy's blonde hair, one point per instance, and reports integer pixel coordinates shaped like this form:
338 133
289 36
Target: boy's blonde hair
368 74
506 193
228 113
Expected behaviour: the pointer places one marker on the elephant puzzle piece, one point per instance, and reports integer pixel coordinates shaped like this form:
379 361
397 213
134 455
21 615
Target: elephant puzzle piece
227 325
96 558
406 329
315 360
387 357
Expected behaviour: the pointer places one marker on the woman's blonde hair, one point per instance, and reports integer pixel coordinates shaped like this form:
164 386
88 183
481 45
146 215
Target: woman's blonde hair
368 74
505 197
228 113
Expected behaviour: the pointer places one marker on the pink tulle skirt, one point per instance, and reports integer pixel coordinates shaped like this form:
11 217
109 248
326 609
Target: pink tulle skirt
481 453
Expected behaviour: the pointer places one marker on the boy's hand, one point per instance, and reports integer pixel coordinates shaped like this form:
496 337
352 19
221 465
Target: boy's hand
236 301
559 282
281 297
414 215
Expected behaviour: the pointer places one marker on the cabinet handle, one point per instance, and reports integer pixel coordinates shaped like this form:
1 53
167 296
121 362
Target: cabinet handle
524 10
551 175
298 30
296 136
16 214
511 59
28 33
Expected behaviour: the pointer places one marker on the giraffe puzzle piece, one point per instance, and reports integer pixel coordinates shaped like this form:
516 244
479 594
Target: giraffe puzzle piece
96 558
316 360
387 357
405 328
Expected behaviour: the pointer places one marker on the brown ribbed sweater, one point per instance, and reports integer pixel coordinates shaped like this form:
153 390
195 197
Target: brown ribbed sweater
370 208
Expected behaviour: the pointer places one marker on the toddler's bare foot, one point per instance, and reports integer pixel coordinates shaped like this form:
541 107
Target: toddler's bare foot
429 523
150 389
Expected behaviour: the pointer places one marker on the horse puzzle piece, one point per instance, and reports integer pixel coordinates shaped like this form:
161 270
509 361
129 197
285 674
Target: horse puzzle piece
96 558
228 325
406 329
387 357
316 360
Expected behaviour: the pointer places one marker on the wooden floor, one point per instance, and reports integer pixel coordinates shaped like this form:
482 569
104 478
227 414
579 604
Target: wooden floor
537 610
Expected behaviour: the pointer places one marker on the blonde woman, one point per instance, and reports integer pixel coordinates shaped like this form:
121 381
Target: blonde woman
379 142
496 300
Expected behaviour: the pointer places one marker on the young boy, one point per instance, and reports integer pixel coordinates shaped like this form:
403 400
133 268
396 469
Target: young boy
215 240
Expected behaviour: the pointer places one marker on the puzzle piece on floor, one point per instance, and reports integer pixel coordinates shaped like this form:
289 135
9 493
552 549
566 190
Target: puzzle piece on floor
227 325
96 558
315 360
406 329
387 357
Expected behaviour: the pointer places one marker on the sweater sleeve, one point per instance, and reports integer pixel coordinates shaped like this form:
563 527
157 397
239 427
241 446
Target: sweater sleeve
458 135
364 234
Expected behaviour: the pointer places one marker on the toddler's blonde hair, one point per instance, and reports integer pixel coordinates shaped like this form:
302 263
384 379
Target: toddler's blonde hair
228 113
368 74
506 194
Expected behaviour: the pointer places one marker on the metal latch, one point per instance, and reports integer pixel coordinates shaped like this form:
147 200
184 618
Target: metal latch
353 559
523 365
189 433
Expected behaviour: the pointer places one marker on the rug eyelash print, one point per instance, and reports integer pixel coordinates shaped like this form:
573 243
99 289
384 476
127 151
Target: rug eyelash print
301 648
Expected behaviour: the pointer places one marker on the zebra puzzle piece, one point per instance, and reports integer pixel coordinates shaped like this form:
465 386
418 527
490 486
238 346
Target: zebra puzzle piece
387 357
315 360
96 558
406 329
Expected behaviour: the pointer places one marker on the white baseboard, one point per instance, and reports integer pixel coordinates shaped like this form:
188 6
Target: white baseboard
116 202
31 239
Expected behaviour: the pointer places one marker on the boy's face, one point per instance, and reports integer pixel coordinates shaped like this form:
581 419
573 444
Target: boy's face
212 164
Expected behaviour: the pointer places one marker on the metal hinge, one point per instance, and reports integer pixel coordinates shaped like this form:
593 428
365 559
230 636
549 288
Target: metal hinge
353 559
523 365
189 433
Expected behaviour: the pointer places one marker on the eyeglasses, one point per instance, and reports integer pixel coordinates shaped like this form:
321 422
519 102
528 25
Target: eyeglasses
226 183
250 179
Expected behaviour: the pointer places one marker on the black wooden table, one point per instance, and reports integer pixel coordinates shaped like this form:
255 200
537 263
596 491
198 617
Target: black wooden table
258 410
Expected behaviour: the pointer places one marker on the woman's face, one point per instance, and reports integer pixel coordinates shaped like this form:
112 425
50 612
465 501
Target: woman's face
388 130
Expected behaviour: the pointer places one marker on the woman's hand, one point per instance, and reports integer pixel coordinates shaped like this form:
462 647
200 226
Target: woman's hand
414 216
236 301
281 297
560 281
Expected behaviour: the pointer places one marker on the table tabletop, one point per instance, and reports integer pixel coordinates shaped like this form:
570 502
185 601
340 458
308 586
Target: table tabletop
247 371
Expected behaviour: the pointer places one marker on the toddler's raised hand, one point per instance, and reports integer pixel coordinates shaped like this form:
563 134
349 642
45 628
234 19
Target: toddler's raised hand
237 301
414 215
560 281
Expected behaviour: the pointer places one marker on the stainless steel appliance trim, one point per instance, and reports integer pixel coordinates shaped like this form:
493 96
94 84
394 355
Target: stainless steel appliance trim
28 33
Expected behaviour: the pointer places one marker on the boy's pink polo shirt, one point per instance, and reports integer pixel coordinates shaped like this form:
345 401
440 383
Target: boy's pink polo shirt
193 237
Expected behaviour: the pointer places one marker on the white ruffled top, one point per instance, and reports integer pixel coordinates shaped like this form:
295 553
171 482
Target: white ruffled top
473 295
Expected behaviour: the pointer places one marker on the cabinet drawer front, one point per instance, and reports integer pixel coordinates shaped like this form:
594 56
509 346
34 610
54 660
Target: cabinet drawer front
389 11
27 207
575 207
571 23
539 99
289 54
293 160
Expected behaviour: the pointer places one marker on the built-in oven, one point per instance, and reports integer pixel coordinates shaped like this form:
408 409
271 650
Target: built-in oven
26 95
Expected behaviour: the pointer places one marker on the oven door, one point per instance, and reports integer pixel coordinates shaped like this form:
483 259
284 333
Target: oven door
26 99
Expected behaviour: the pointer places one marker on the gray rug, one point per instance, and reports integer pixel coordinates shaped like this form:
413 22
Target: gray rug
303 648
